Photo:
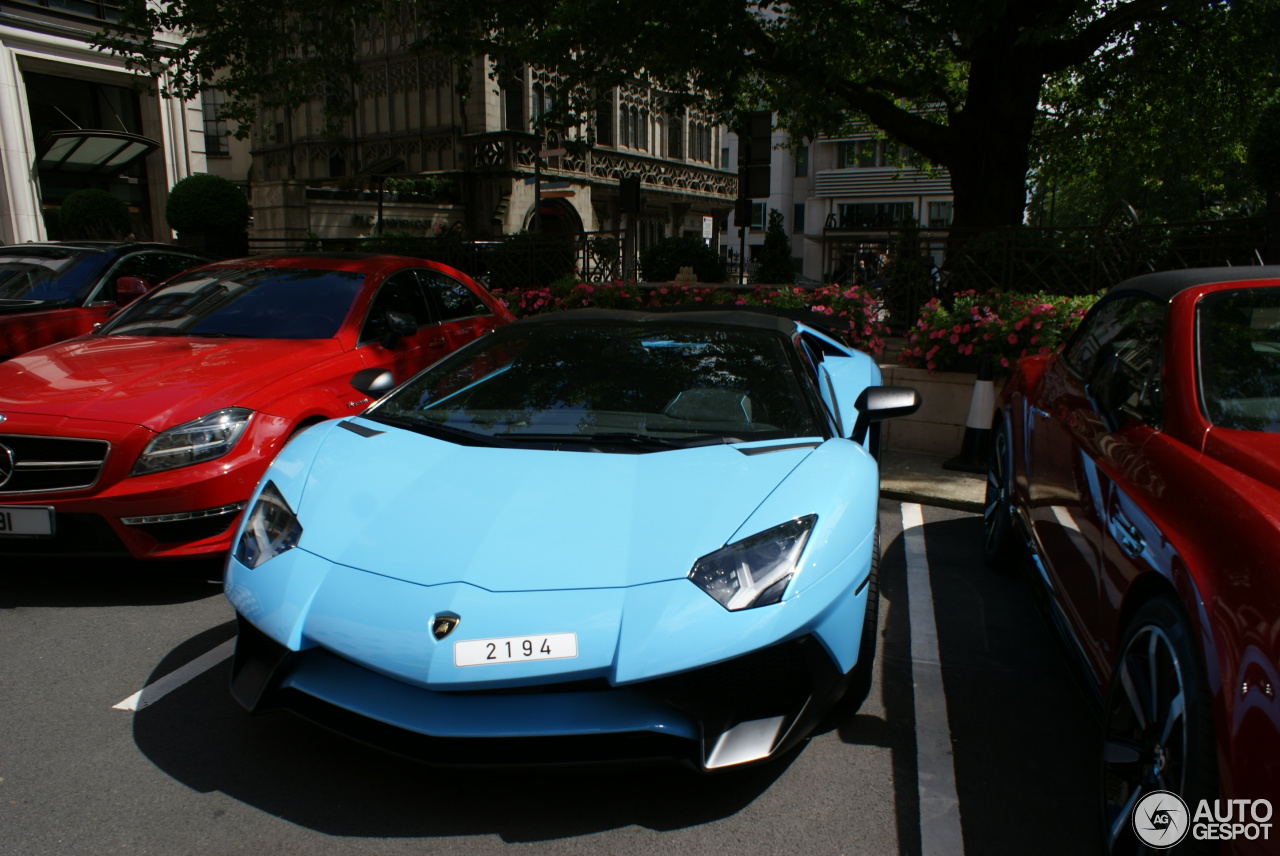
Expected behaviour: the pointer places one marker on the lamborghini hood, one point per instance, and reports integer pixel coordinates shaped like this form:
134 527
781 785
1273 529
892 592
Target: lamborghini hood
431 512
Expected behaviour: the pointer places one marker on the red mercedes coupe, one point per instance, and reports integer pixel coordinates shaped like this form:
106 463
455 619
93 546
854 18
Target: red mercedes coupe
146 437
1141 466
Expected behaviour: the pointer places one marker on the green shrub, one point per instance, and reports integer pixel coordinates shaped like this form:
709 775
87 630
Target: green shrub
662 261
776 266
94 215
207 203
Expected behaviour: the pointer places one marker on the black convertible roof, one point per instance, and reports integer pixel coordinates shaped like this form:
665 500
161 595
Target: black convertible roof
1166 284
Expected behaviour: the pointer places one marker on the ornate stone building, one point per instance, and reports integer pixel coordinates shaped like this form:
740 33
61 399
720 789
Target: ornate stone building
72 118
428 151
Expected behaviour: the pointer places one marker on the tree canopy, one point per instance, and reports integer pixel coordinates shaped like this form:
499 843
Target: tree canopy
961 82
1161 119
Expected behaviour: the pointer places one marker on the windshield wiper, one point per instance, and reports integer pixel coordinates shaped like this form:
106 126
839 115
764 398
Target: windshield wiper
617 438
437 430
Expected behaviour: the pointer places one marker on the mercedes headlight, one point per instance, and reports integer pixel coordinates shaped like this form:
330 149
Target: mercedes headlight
271 529
755 570
205 439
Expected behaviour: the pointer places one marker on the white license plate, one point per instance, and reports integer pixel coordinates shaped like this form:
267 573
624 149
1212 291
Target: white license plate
25 520
515 649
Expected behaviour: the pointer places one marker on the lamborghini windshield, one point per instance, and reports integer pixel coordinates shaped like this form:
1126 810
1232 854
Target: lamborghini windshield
253 303
610 383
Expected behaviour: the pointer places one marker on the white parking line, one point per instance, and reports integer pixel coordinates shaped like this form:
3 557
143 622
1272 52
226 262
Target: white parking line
940 833
161 687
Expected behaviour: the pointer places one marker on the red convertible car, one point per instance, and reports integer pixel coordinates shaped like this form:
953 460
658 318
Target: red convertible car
1141 465
51 292
147 437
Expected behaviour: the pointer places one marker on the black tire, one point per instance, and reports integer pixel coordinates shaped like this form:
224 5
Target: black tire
1000 547
1158 728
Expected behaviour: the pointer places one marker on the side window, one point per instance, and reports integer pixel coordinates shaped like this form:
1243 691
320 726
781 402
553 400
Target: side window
452 299
1125 363
1087 348
155 268
399 293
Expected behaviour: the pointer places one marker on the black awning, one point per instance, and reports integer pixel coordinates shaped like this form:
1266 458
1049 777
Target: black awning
92 152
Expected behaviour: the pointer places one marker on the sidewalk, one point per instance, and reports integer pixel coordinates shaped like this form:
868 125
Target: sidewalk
914 477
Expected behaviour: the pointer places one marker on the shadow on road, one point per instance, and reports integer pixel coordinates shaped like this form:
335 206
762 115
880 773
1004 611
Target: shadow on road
99 582
285 766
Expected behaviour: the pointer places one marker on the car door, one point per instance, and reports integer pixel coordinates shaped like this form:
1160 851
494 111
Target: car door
1127 392
463 315
400 300
1071 453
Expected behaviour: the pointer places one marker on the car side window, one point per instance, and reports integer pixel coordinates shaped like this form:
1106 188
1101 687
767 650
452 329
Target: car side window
1087 348
154 267
400 293
452 299
1120 359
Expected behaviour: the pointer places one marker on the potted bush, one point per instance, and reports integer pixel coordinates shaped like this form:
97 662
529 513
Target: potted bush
209 213
663 260
94 215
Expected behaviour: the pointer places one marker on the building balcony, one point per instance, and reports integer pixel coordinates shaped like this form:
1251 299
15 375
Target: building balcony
516 153
879 182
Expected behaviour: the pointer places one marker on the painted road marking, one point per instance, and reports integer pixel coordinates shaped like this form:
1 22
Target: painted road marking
940 833
161 687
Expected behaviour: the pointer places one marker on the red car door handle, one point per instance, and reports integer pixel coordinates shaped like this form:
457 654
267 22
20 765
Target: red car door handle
437 342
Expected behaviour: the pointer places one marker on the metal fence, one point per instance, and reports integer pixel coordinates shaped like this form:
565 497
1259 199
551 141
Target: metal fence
908 265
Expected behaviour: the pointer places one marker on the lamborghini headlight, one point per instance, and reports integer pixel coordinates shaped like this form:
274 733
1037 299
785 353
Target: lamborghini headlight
204 439
271 529
755 570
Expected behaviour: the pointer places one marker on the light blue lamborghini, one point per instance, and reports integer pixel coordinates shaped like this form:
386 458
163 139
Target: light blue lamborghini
587 536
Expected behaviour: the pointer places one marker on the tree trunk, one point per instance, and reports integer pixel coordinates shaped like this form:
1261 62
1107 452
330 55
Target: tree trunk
990 140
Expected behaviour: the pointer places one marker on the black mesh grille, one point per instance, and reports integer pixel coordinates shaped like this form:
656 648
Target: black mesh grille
76 535
42 464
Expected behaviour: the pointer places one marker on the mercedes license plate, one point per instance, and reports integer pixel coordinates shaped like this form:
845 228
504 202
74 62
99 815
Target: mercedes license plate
26 520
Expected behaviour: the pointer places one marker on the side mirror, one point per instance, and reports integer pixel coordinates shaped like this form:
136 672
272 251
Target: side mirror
373 382
130 288
878 403
399 325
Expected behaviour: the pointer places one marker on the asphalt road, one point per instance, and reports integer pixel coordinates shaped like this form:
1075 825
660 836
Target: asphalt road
189 772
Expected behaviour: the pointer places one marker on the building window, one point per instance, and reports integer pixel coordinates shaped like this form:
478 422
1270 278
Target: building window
215 127
802 162
105 10
859 154
757 215
675 137
604 123
513 114
939 215
875 215
724 157
797 218
536 106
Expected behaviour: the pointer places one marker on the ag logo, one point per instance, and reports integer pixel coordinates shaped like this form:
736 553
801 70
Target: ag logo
6 464
1160 820
442 625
